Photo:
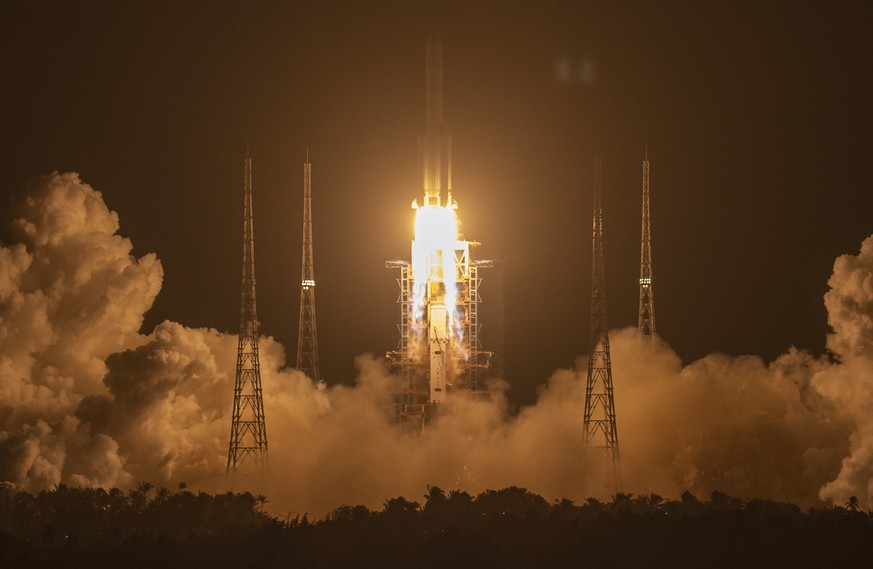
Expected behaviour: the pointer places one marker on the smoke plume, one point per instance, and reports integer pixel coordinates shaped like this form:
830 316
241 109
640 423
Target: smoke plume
849 385
87 399
71 294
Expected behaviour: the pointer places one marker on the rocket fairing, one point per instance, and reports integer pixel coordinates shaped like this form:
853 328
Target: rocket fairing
435 146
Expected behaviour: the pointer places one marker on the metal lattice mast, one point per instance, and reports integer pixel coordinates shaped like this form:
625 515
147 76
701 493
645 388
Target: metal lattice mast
599 430
248 432
307 337
647 292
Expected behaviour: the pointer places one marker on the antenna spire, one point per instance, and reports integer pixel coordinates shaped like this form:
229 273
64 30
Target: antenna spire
646 324
307 336
600 434
248 432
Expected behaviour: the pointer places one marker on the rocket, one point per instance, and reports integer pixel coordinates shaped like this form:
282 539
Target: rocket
435 146
439 346
435 163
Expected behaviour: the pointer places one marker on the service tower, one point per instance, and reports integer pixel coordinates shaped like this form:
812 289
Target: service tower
439 350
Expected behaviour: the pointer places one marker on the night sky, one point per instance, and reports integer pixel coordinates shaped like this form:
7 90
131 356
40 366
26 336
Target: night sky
757 117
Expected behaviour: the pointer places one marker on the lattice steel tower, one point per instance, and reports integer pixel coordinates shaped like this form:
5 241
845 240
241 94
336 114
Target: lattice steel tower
647 292
599 430
307 337
248 433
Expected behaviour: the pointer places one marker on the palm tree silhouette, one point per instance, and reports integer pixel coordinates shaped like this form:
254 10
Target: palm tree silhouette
853 505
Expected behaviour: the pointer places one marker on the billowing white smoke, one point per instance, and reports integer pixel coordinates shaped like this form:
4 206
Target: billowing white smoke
736 425
71 294
85 399
850 385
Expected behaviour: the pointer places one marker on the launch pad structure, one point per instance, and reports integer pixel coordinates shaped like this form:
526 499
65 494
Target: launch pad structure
432 359
439 352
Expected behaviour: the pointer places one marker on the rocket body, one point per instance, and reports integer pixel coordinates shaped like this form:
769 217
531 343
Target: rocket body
435 146
438 347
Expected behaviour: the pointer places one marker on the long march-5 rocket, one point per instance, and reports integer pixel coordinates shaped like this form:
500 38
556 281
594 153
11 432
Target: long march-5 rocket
438 349
435 158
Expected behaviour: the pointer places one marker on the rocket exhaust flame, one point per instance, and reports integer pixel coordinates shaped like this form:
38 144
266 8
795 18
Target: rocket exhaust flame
435 313
434 265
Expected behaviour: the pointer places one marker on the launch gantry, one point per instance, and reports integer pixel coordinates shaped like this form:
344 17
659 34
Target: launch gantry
439 352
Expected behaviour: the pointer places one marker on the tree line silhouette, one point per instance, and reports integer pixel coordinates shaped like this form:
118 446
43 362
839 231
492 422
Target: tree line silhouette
507 528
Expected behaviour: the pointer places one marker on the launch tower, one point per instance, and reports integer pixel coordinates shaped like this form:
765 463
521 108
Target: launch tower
247 453
647 293
439 350
307 337
600 435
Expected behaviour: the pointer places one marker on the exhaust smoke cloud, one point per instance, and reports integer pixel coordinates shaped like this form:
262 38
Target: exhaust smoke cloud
87 399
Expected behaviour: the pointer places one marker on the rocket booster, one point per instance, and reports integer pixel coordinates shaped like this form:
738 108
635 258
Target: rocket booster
435 146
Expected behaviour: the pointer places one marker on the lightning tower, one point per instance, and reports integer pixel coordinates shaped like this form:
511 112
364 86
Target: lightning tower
647 293
600 435
307 337
439 350
247 453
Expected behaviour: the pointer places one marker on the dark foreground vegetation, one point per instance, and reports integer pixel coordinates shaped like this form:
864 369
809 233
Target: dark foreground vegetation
162 529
